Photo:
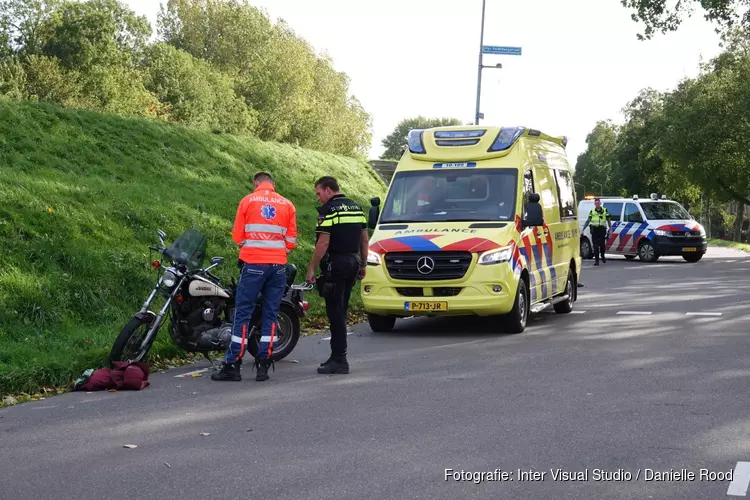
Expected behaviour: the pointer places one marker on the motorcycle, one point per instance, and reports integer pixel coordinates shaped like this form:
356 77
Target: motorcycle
200 309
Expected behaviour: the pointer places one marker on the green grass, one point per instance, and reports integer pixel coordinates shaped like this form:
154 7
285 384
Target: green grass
82 197
731 244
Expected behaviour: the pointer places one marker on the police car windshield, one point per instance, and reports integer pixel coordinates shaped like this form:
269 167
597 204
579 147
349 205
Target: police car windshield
659 210
451 195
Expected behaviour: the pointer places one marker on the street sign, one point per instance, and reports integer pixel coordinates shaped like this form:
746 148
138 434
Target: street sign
506 51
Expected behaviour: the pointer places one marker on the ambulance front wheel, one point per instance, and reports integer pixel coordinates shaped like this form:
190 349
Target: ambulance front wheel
381 323
515 320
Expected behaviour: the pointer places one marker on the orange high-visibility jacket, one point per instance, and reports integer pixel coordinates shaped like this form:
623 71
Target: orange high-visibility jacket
265 226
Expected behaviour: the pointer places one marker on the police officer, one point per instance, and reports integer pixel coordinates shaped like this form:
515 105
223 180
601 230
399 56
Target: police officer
266 228
341 234
600 220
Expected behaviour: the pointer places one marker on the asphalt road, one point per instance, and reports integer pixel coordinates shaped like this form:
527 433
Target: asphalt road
630 384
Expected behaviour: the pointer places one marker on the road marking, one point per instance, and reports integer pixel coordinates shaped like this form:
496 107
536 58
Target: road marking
191 373
577 312
347 333
702 314
634 312
740 480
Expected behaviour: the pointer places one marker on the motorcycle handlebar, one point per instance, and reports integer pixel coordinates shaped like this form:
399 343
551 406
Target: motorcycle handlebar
304 287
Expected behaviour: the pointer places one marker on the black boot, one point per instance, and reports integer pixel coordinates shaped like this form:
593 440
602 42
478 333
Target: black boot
262 366
327 361
335 364
228 372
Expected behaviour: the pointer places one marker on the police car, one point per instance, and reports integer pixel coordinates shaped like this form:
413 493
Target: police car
646 228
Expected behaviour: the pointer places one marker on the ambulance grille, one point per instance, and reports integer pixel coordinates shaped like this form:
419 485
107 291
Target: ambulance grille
445 265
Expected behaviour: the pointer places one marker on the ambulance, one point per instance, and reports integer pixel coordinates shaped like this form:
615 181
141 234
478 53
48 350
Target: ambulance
647 228
477 221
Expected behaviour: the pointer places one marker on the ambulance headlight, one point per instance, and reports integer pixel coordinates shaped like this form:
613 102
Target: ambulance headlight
496 256
373 259
662 232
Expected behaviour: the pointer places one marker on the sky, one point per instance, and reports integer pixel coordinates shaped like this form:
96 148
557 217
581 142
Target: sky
581 61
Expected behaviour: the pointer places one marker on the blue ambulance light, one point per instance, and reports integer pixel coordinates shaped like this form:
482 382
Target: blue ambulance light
416 144
506 138
458 134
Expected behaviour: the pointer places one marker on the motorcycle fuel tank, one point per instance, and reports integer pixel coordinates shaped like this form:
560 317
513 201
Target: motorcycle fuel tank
201 288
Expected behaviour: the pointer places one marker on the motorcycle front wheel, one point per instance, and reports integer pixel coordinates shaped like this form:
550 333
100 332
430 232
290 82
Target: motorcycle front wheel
288 332
130 345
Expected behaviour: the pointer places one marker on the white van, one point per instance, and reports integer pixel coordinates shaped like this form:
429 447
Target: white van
647 228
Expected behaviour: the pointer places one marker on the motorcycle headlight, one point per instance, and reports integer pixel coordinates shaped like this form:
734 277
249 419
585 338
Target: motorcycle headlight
169 279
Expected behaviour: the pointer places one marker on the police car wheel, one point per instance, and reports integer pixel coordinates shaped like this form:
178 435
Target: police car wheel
647 252
692 257
586 250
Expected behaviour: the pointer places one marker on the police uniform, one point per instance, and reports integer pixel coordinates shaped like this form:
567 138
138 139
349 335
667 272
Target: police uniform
598 222
343 219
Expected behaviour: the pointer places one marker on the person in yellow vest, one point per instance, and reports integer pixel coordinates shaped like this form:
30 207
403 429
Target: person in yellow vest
600 222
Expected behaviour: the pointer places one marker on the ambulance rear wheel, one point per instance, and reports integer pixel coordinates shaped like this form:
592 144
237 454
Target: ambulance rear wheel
515 320
381 323
566 306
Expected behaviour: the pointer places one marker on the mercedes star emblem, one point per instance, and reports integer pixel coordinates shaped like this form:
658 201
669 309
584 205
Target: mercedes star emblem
425 265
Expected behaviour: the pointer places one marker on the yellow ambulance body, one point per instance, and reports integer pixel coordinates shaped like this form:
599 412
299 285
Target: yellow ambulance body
476 221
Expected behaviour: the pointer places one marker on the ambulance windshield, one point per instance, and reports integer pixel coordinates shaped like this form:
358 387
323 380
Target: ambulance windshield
451 195
662 210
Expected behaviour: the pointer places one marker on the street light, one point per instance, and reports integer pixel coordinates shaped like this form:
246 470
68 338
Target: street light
477 114
584 187
601 188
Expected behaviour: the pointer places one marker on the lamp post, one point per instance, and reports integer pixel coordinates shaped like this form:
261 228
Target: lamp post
584 187
479 69
600 187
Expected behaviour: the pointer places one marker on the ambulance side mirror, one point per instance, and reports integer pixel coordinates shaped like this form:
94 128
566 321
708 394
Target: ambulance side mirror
534 214
372 219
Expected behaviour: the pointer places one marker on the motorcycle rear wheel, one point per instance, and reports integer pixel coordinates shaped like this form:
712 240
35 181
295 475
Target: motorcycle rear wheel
129 345
288 334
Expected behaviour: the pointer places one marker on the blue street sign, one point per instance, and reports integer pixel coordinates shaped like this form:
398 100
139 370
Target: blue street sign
507 51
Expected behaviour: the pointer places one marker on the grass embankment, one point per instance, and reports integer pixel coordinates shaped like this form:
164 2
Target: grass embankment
730 244
82 197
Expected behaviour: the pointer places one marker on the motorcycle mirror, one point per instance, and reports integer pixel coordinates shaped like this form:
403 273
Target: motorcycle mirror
162 235
217 260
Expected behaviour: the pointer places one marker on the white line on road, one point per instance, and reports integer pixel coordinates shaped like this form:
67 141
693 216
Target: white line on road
347 333
740 480
702 314
634 312
577 312
190 373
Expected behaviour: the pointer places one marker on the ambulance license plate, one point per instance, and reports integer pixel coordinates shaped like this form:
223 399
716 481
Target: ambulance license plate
425 306
690 249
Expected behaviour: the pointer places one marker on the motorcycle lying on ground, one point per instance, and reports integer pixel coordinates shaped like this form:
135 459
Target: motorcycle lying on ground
200 309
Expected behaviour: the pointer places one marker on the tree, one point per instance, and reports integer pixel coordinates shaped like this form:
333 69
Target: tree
594 167
706 130
658 17
395 142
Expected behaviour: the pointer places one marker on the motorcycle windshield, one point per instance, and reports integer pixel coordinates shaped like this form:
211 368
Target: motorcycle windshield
189 249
